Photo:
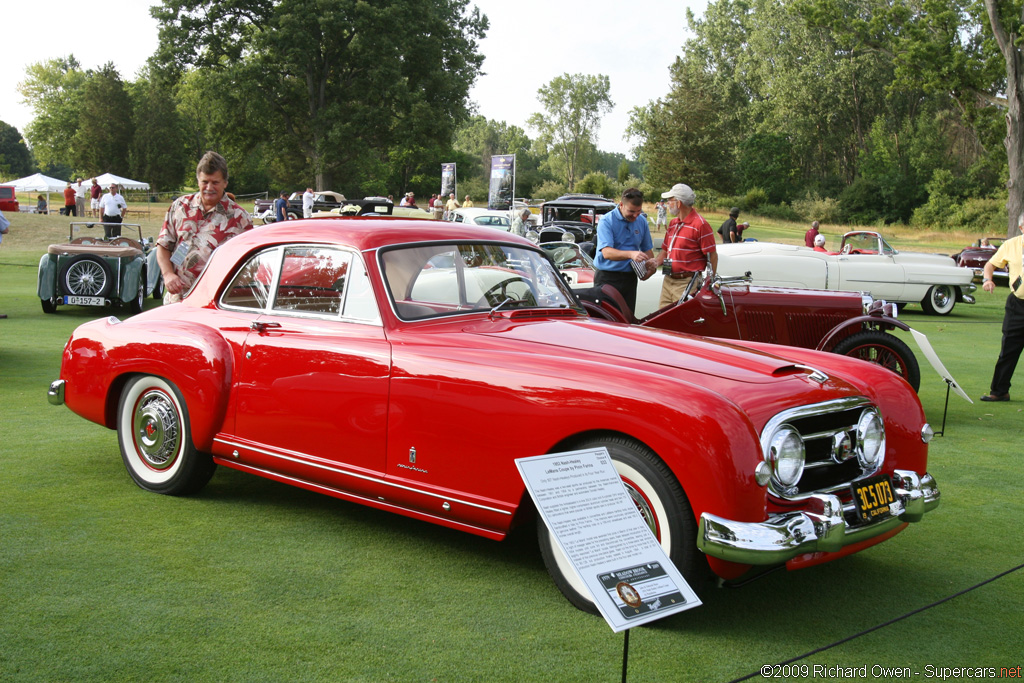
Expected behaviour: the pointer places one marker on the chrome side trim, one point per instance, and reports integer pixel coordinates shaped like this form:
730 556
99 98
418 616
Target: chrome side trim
337 470
819 527
55 394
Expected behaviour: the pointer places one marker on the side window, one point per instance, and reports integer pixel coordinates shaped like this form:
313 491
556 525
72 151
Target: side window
312 280
360 303
251 286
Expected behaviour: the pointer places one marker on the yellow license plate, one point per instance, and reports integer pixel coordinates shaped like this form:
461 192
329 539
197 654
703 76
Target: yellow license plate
872 498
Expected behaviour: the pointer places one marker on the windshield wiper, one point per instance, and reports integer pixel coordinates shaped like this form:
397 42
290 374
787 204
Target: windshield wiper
494 310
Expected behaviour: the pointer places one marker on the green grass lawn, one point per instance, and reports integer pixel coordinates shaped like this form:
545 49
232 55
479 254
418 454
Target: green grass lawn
254 580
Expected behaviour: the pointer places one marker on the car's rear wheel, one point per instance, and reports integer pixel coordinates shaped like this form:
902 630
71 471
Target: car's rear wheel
661 502
49 305
882 348
939 300
156 441
86 275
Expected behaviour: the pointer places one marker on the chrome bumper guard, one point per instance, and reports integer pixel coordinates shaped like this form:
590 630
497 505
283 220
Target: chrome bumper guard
55 395
819 527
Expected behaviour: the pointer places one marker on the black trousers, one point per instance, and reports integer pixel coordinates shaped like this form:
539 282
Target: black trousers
111 230
623 281
1013 345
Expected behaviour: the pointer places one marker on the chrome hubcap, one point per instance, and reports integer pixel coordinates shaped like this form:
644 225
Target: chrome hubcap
157 430
644 508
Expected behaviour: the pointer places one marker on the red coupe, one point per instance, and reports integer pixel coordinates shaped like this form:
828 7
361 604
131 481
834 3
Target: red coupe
405 365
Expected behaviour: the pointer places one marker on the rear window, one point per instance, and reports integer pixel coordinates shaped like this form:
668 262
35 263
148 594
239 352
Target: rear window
6 192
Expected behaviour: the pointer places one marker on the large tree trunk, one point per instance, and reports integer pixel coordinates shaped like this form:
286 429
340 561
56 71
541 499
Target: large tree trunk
1014 141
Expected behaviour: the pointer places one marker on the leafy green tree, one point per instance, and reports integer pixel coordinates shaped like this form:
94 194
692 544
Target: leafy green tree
341 86
105 127
15 157
573 107
766 161
157 150
53 89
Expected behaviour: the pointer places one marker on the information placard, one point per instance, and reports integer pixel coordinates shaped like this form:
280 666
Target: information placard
592 518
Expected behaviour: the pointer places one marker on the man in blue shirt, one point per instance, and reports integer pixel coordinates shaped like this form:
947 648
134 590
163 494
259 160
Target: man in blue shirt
624 236
281 207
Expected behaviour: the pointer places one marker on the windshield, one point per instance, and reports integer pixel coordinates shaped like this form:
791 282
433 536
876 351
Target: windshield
425 281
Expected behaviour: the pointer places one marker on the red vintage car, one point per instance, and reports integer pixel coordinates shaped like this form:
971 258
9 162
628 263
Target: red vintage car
395 364
846 323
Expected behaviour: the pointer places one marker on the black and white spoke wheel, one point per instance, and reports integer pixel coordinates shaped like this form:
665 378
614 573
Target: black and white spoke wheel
882 348
86 275
662 504
156 444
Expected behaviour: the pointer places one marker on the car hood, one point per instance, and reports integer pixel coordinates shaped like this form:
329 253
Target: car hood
620 345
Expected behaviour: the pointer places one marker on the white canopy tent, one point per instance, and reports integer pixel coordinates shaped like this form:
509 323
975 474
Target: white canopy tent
123 183
38 183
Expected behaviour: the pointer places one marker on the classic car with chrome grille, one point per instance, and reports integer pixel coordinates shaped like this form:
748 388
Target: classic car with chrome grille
392 363
865 262
978 254
572 218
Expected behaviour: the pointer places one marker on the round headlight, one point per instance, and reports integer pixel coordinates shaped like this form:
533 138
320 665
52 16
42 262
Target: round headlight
533 236
786 456
569 237
870 439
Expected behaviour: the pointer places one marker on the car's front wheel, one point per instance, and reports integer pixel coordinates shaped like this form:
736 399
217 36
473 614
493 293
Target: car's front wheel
49 305
882 348
135 305
939 300
156 441
661 502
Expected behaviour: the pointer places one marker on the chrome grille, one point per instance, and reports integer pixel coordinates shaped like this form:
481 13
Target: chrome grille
823 427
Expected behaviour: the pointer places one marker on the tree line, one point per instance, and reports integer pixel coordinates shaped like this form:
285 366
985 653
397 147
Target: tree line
853 111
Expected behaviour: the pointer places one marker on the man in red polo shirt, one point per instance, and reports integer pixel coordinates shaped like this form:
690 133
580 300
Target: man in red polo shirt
689 245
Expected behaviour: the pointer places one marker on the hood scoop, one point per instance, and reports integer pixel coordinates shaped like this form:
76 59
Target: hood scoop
797 369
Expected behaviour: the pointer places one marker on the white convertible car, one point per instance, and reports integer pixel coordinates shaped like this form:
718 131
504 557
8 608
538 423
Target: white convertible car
864 263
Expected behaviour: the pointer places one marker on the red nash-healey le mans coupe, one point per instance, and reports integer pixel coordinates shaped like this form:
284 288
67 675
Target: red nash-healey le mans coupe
406 365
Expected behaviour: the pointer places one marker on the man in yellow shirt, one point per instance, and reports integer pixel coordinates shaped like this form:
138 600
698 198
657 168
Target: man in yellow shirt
1011 256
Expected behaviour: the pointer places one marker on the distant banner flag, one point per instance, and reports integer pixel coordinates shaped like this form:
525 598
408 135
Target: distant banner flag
503 182
447 180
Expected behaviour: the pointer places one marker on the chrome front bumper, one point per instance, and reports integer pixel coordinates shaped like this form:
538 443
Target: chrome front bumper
819 527
55 395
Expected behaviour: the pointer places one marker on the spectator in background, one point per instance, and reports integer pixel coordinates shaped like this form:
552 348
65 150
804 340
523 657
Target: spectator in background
113 207
433 200
95 192
69 200
662 210
307 203
41 205
281 207
729 231
811 234
468 203
623 237
819 243
521 223
689 245
80 197
197 224
450 206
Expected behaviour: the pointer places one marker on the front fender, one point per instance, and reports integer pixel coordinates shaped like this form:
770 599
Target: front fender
46 287
102 355
882 322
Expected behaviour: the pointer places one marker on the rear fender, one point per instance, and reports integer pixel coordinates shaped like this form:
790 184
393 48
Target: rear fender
105 354
47 285
132 275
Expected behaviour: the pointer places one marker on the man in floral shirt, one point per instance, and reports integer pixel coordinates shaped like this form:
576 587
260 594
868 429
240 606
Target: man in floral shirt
195 225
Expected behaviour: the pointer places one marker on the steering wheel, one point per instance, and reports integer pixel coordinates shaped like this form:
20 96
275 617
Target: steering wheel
563 255
847 248
498 293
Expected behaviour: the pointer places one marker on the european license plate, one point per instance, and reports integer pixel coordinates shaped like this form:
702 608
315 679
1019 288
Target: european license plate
872 498
84 300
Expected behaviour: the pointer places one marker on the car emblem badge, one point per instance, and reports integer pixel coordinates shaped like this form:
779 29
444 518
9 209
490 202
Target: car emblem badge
842 448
